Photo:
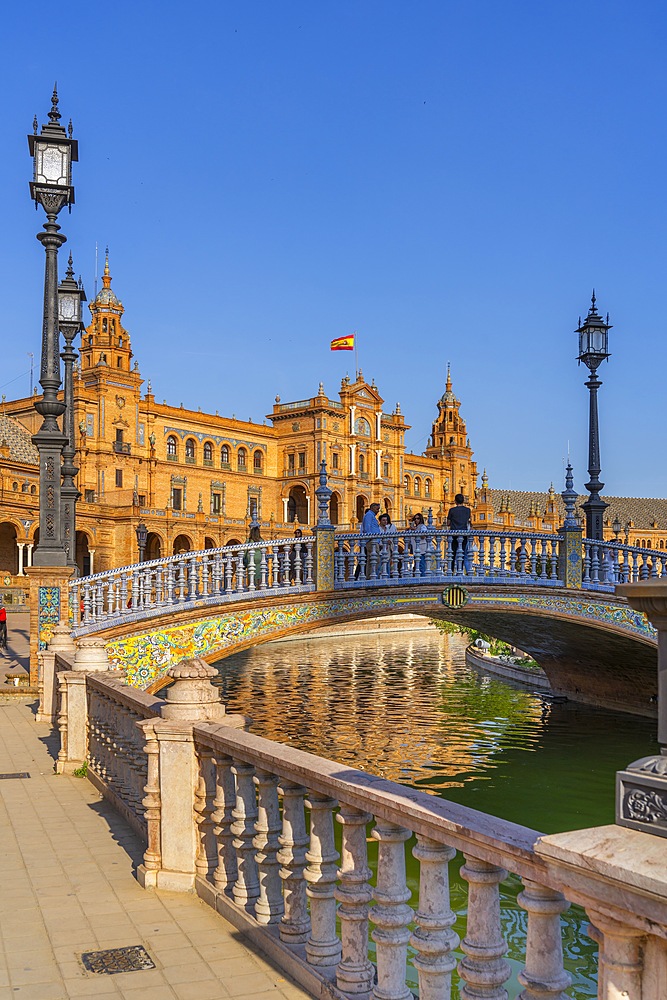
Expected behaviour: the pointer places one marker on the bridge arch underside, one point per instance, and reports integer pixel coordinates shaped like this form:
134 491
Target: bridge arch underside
594 649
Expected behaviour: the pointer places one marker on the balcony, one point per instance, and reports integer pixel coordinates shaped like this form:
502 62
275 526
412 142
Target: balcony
190 459
121 448
295 472
172 458
208 462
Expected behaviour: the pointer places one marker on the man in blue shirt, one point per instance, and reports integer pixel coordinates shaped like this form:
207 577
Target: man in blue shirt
369 526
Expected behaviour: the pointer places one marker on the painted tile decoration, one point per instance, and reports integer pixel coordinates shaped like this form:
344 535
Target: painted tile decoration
145 658
48 614
619 615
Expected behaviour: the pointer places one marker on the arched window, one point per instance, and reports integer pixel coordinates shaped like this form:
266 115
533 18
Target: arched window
418 486
257 461
190 450
172 450
224 454
361 462
208 451
104 326
33 490
406 483
427 487
242 459
119 362
120 341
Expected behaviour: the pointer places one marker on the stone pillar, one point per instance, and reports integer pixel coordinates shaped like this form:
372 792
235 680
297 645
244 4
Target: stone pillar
620 958
90 657
20 546
63 643
324 534
49 604
30 546
641 789
569 557
91 553
190 699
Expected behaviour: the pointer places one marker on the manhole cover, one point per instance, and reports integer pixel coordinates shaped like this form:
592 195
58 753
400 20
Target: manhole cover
106 963
15 774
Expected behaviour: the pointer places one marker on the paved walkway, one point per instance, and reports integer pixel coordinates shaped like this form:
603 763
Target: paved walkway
67 887
15 659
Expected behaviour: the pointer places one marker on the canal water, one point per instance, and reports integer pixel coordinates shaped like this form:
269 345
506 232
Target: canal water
405 705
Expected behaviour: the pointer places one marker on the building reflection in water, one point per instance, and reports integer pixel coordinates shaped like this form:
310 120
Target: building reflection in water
398 704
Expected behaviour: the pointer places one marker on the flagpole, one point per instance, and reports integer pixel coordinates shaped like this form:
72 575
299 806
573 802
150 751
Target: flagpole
356 361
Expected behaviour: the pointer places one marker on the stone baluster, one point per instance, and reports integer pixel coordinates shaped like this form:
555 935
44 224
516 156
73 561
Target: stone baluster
246 887
152 806
240 572
99 600
543 976
180 580
339 563
620 959
483 970
492 555
205 571
226 871
434 940
229 573
309 563
207 853
372 550
355 973
193 570
502 559
323 946
169 595
595 563
391 914
263 571
269 906
295 924
61 722
86 614
554 559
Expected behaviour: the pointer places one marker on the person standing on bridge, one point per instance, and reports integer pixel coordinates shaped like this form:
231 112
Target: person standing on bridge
3 624
369 526
458 519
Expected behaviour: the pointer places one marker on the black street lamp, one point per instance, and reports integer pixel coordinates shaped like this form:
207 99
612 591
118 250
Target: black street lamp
142 538
71 296
593 351
53 151
616 527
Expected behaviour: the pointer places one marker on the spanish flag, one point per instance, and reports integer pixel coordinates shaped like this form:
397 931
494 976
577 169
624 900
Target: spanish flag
343 343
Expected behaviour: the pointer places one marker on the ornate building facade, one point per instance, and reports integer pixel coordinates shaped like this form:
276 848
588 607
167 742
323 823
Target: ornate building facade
195 479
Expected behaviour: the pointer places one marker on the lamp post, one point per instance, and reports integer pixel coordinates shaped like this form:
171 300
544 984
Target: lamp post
616 527
142 538
70 298
593 333
53 151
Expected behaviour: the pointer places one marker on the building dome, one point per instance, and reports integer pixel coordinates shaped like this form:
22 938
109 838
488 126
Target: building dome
106 297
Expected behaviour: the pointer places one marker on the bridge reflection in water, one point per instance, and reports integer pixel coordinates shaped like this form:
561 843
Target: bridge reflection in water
407 707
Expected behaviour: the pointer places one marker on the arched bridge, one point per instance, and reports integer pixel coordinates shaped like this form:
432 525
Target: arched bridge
551 595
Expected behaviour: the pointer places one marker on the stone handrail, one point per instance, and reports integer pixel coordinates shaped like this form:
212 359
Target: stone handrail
277 872
437 555
117 754
606 564
211 576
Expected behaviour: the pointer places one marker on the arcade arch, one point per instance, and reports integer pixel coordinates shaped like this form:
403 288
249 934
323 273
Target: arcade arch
154 546
182 544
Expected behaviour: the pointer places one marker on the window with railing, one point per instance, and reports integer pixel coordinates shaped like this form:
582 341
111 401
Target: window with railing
418 486
224 456
190 451
208 453
258 463
242 459
216 503
172 449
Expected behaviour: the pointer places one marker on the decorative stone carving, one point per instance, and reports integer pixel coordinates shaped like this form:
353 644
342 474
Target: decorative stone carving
91 655
192 697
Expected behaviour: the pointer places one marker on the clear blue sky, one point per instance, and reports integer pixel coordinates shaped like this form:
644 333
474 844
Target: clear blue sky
449 179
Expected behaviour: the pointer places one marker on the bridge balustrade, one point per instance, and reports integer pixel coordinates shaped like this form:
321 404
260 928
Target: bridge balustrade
607 564
481 556
210 576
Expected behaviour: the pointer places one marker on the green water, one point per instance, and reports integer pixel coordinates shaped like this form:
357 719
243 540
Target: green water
406 706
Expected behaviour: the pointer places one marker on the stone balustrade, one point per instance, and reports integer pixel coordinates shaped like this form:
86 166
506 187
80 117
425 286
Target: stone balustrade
434 555
212 576
276 840
607 564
